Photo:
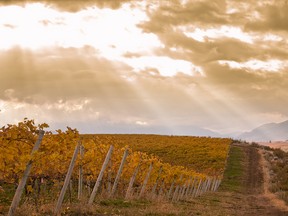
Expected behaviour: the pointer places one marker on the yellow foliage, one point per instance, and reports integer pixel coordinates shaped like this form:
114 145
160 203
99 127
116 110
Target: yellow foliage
180 158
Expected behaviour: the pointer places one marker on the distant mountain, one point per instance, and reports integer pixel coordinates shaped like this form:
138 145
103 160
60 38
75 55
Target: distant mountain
267 132
181 130
196 131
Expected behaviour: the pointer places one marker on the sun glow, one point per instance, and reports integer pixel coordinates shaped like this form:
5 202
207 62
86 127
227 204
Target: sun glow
37 26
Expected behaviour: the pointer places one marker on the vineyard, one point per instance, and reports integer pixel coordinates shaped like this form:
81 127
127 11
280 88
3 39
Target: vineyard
129 167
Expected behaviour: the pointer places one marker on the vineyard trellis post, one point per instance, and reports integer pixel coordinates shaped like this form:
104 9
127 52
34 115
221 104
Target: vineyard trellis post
184 188
213 184
146 180
100 176
188 188
119 172
109 176
209 184
161 188
196 189
80 182
205 187
176 189
132 179
192 187
66 181
171 188
22 183
156 183
218 184
202 187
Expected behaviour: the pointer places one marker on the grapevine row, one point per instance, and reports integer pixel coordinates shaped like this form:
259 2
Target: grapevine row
50 164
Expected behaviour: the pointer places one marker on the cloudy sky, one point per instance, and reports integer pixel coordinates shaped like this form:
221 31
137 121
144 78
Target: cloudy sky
144 66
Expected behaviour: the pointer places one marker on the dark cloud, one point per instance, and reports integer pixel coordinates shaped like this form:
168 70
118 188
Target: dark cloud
262 91
207 14
272 18
203 52
194 12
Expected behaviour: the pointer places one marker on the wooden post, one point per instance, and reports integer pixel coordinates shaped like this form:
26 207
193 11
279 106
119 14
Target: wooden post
198 188
132 179
157 180
176 189
209 185
161 188
100 176
218 184
205 185
119 172
195 187
213 184
109 176
67 181
171 188
22 183
190 184
146 180
202 187
182 192
80 182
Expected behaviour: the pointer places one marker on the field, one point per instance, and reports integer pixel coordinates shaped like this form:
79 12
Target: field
280 144
140 169
202 154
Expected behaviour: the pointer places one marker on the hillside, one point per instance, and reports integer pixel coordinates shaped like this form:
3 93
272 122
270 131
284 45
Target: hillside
202 154
267 132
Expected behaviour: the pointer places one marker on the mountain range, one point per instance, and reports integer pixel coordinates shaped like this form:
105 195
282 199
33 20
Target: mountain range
267 132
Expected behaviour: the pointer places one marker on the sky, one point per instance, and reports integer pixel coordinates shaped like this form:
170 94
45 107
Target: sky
162 67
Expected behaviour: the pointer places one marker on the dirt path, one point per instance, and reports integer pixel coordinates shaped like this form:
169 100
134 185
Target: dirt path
261 201
256 198
251 198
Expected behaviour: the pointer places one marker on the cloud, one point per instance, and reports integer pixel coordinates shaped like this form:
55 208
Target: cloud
272 17
163 66
173 14
71 5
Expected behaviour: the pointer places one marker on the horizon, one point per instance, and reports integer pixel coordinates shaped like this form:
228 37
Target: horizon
144 66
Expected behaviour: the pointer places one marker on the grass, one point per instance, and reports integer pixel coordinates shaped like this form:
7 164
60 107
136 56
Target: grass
121 203
233 175
279 180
